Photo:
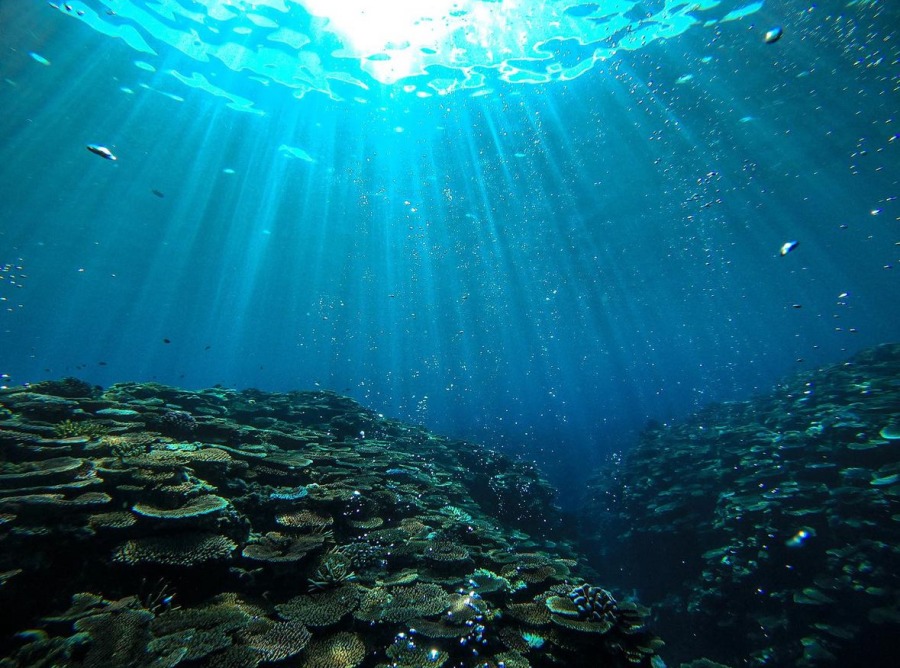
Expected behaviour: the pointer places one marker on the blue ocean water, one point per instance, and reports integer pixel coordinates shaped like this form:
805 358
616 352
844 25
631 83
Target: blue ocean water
537 225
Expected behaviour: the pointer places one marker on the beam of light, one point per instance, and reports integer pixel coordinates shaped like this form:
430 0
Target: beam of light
342 48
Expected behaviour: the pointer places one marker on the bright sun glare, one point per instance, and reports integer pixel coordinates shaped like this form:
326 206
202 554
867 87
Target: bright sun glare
394 39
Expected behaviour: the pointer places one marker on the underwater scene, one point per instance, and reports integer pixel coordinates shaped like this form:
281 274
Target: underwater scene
449 333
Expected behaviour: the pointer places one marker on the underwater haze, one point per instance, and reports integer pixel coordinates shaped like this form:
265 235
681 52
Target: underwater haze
532 224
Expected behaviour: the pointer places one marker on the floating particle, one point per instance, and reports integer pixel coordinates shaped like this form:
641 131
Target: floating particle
787 247
102 151
158 193
774 35
799 538
38 58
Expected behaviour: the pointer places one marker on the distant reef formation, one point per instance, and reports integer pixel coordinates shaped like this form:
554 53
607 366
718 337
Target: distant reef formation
767 532
145 525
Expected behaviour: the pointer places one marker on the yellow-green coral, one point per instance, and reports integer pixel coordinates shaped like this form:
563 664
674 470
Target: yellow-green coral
70 429
342 650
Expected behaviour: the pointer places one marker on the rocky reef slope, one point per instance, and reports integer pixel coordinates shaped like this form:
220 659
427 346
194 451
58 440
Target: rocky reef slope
145 525
767 532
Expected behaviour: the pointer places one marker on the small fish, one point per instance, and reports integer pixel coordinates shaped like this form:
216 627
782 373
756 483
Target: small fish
774 35
38 58
158 193
788 247
102 151
167 341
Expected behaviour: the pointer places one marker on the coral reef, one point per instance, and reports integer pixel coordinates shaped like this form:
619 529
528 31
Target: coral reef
145 525
769 528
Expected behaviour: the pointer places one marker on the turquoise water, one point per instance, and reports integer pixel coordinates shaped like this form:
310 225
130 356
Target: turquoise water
533 224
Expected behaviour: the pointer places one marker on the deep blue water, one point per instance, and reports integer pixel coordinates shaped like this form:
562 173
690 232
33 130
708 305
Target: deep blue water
544 266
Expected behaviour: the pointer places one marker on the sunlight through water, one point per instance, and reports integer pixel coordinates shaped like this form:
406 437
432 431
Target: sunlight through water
428 47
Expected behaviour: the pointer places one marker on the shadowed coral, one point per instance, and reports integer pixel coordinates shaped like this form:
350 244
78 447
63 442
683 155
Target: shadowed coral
513 638
361 554
40 473
116 638
277 547
488 582
289 493
511 660
175 550
113 520
299 519
412 526
465 609
445 551
584 608
218 616
177 423
431 629
250 606
83 604
201 630
69 387
404 577
189 645
403 603
333 570
342 650
280 641
533 614
405 654
196 507
371 523
236 656
322 608
535 569
387 536
86 500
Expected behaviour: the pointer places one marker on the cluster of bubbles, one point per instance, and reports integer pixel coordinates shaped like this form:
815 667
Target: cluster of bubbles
12 275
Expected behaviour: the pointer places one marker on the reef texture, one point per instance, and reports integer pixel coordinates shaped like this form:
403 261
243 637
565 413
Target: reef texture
145 525
768 531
